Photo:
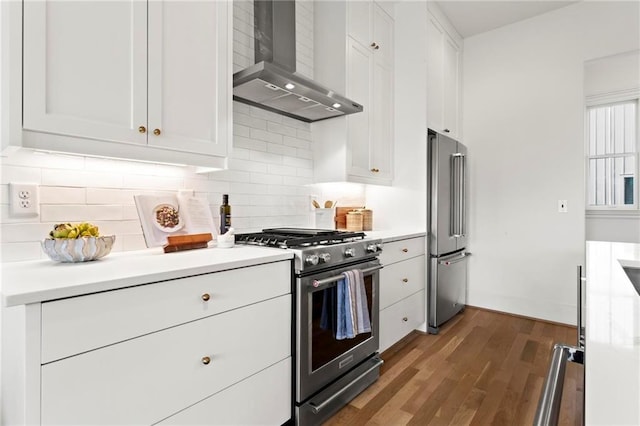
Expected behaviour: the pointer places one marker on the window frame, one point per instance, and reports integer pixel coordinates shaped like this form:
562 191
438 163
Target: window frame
602 100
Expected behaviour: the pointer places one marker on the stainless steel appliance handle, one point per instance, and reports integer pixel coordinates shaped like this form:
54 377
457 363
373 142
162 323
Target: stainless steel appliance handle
318 283
457 195
463 196
548 410
457 259
581 336
317 408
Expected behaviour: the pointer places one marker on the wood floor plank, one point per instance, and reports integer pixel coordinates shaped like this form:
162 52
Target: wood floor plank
483 368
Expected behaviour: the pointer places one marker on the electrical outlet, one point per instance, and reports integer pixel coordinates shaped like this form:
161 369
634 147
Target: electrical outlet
24 199
562 206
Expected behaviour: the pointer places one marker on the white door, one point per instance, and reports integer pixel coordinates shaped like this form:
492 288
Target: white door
85 69
188 86
451 61
359 89
435 92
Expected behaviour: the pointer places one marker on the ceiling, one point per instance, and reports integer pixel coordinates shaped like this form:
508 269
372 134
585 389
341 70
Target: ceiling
474 17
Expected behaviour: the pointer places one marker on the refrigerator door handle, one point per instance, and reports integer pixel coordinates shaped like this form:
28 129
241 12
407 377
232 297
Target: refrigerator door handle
457 196
460 258
463 196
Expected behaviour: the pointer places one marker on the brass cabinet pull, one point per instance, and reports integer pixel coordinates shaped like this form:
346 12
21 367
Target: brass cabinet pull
206 297
142 129
206 360
156 132
405 250
405 280
375 170
447 130
375 45
405 319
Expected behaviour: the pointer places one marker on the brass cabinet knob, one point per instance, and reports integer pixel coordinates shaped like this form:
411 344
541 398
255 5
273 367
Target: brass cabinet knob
375 45
405 250
405 280
375 170
156 132
206 297
405 319
142 129
206 360
447 130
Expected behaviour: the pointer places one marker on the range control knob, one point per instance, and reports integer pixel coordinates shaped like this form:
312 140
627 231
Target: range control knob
324 257
349 252
312 259
372 248
379 246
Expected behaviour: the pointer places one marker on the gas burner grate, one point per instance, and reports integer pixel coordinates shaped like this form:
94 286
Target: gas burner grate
302 238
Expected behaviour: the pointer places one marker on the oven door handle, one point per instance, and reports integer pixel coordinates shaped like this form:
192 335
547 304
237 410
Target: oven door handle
318 283
317 408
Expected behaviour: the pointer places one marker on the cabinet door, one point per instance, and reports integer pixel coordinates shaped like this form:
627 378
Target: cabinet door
451 72
381 149
359 21
400 319
359 88
383 35
435 90
144 380
189 87
85 76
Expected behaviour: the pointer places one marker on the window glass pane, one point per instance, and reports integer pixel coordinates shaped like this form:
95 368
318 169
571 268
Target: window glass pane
611 181
612 129
630 117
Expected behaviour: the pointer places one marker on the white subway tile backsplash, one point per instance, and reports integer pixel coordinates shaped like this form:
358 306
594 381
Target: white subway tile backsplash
250 144
240 130
304 153
276 169
281 129
296 142
304 134
266 136
297 180
266 157
275 148
20 174
266 178
14 252
64 195
297 162
247 166
79 213
247 120
25 232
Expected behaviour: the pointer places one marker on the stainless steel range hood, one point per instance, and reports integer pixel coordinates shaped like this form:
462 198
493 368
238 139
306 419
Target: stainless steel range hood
272 83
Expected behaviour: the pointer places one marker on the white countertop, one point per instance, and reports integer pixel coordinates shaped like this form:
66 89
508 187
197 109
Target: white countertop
612 347
395 234
41 280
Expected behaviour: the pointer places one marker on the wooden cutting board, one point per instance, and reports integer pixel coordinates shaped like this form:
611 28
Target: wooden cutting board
341 216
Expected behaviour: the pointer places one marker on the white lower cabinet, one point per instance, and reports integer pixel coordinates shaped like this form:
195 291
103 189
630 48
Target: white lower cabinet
402 289
144 380
400 319
209 349
261 399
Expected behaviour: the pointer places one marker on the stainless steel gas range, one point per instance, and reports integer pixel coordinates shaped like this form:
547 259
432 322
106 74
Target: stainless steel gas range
329 370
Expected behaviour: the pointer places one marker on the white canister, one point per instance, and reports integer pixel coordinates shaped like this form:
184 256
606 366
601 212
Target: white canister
325 219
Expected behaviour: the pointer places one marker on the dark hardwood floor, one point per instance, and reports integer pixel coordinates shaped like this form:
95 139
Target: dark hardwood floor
484 368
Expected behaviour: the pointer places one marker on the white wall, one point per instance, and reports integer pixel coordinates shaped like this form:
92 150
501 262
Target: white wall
271 162
403 205
523 124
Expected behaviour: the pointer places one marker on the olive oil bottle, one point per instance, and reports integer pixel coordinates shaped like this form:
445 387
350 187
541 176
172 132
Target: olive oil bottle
225 214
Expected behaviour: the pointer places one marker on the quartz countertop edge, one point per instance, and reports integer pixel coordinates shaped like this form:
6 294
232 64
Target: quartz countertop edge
390 235
612 335
42 280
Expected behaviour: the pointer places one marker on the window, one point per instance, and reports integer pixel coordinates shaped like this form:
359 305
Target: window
612 155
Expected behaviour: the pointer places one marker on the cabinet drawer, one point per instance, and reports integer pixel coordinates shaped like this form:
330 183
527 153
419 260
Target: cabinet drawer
400 319
144 380
78 324
397 251
262 399
400 280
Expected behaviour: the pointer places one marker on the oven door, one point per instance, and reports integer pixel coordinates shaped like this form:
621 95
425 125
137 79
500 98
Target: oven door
321 357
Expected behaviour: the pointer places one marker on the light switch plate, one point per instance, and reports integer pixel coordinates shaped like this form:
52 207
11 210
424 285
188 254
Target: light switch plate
562 206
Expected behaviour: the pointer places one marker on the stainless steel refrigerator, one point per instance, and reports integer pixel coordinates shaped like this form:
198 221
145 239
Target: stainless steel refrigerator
448 231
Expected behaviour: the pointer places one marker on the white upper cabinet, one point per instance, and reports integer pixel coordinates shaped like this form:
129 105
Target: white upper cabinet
356 37
443 77
141 80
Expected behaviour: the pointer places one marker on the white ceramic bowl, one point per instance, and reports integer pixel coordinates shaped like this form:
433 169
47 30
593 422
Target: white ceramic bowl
81 249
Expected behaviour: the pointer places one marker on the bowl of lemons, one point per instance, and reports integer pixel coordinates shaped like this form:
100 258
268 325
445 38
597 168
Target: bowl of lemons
77 243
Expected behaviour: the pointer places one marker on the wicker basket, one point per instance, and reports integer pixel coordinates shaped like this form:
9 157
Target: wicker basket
367 219
354 221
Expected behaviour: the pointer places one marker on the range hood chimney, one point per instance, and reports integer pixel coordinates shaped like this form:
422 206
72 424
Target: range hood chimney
272 83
